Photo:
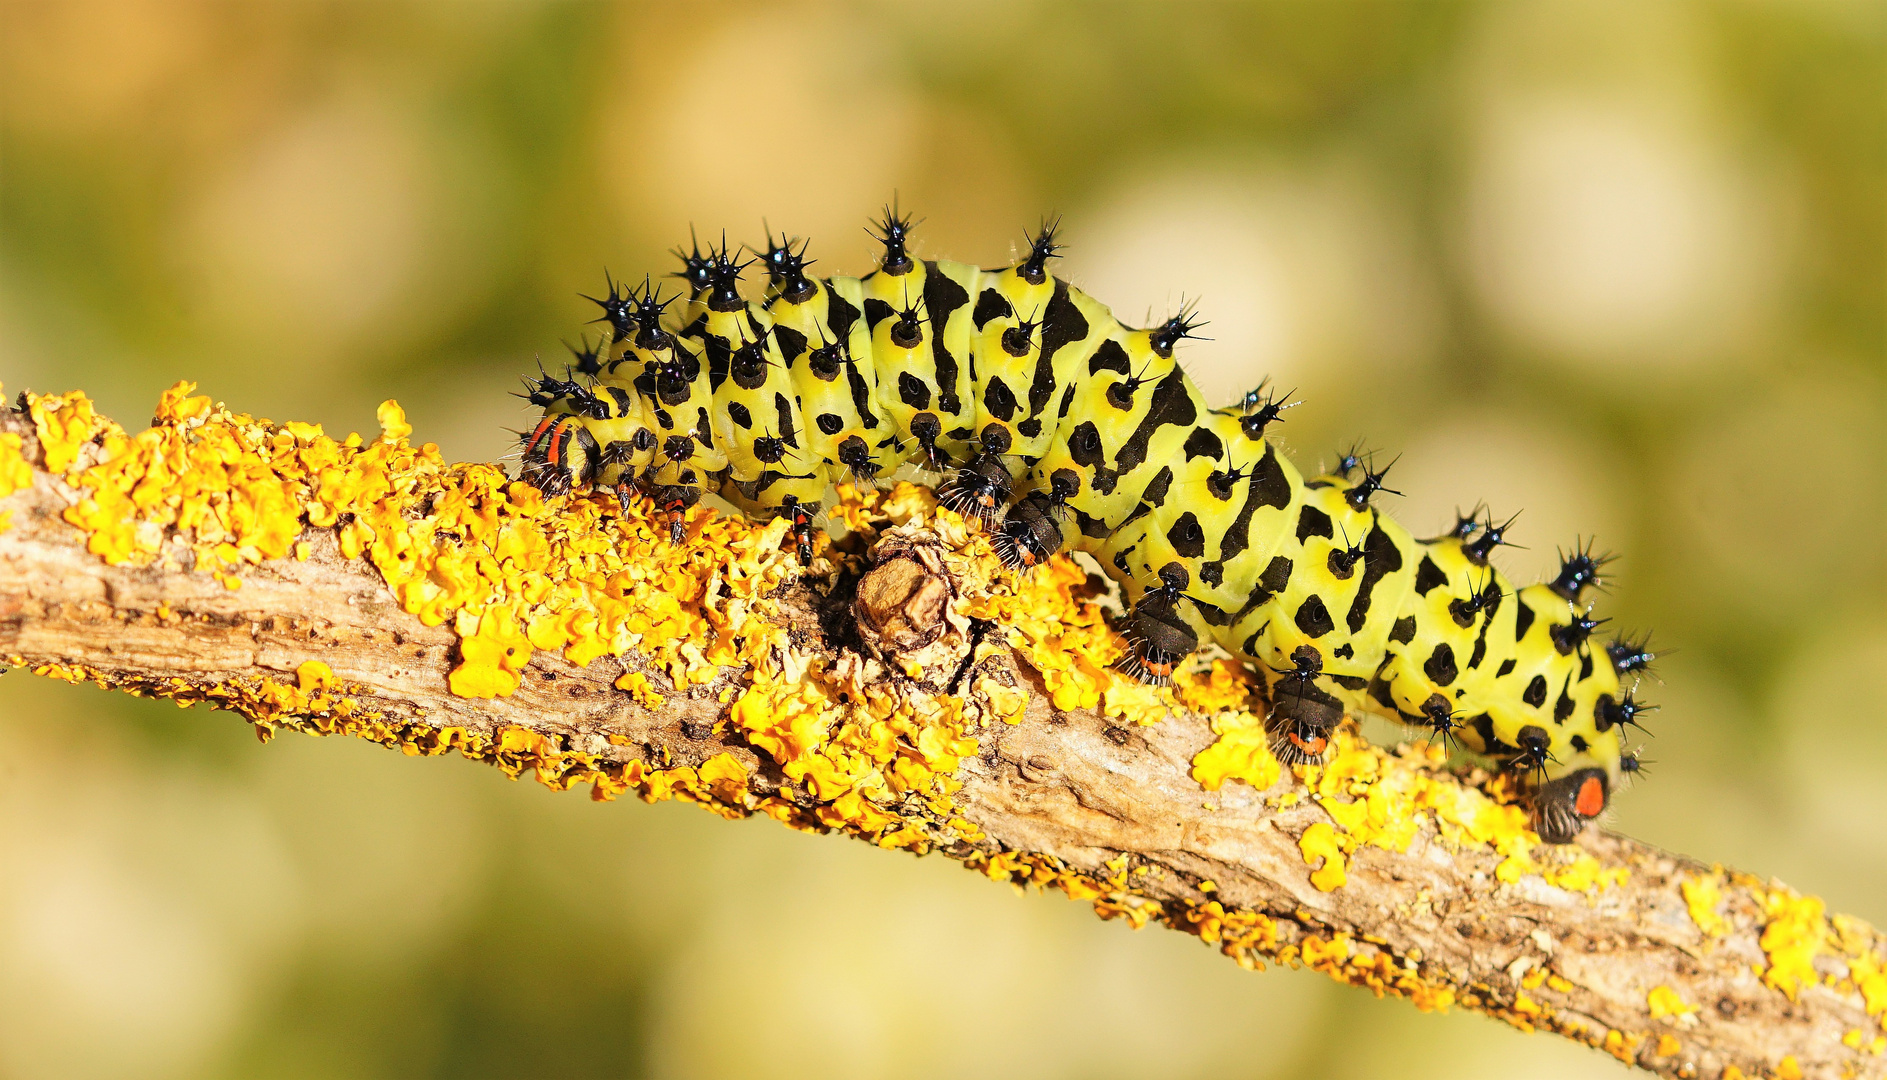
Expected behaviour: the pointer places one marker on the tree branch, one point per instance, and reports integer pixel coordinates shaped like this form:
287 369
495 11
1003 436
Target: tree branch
910 694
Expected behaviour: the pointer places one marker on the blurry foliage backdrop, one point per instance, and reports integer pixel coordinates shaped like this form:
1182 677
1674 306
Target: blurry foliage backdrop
1618 264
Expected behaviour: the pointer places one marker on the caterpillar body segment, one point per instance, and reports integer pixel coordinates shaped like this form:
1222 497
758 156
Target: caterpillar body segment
1065 430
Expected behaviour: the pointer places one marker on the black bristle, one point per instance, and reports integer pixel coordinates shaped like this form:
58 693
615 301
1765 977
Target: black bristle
1485 598
1019 339
1042 247
1349 461
1535 752
1465 526
1439 714
549 389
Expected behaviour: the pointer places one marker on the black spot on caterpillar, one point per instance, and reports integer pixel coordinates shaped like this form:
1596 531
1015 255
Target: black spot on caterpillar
1063 429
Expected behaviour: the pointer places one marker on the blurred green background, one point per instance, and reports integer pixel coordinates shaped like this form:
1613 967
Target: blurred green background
1618 264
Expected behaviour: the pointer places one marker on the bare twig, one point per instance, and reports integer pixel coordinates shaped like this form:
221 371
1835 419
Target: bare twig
910 696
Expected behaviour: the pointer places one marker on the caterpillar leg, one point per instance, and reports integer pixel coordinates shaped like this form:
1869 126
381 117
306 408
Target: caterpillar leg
1032 530
979 489
675 499
802 514
1157 631
1562 807
1303 713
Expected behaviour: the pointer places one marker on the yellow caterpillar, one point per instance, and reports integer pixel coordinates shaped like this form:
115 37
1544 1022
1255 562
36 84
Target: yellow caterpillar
1064 429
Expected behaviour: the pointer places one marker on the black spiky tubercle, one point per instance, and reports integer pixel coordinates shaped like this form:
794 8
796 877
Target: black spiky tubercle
1630 656
618 309
1262 408
1572 637
1042 247
650 306
723 274
694 267
1578 570
1492 536
1622 713
894 232
786 268
588 358
1177 328
1372 482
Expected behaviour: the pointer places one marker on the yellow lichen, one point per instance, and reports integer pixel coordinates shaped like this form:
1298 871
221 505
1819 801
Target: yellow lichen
1792 937
1240 753
15 473
1788 1069
1320 842
313 675
1701 897
1585 874
1665 1002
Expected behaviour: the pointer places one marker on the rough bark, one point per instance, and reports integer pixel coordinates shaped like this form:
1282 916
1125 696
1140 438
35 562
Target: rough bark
1107 810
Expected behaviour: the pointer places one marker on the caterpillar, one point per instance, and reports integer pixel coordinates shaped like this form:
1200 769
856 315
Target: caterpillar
1063 429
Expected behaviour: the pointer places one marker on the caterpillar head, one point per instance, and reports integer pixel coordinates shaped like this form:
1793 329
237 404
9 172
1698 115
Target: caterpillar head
1562 807
559 454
